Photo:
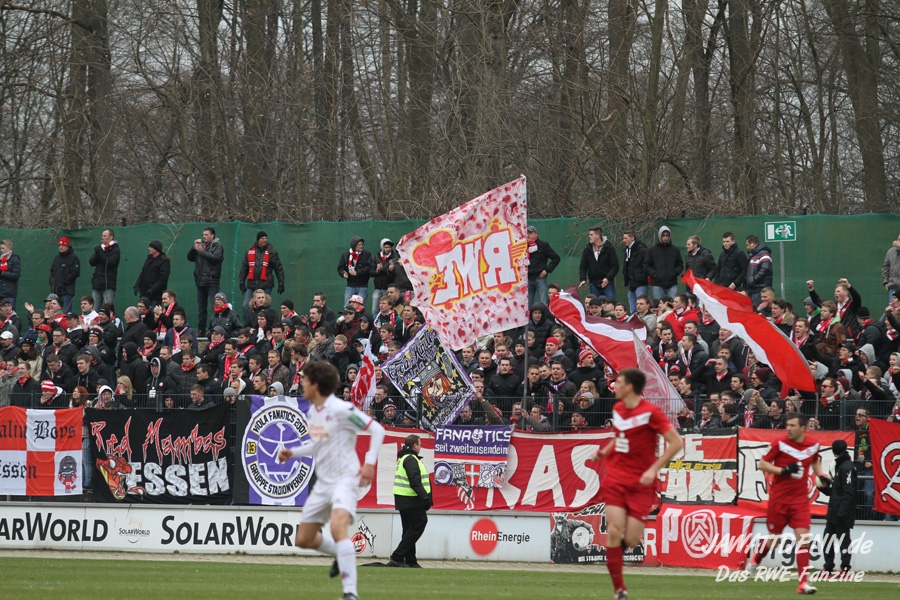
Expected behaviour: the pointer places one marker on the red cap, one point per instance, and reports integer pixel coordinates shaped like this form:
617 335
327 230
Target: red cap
48 386
552 340
65 240
584 354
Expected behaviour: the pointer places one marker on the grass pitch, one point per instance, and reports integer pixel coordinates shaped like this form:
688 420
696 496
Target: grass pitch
36 577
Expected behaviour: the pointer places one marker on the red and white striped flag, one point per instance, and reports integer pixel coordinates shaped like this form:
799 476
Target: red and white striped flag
42 449
363 389
734 311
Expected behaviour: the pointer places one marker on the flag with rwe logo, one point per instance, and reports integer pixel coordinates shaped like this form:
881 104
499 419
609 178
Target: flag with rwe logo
469 267
885 439
40 451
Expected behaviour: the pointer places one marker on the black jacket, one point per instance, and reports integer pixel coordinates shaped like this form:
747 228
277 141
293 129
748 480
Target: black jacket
208 267
106 267
732 267
702 263
365 266
604 266
134 333
842 492
411 465
541 328
9 279
542 258
154 277
134 368
634 272
275 269
759 269
381 280
664 263
25 395
227 320
64 272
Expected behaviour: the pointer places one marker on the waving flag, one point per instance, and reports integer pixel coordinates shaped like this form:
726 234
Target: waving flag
734 311
469 267
613 340
658 390
363 390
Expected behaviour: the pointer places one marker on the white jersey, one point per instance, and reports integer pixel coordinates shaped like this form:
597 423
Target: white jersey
333 428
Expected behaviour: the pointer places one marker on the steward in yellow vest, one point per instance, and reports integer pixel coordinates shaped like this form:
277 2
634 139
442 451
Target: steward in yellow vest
412 497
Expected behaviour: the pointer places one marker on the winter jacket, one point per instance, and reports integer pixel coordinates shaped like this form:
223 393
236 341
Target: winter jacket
759 269
634 272
275 269
663 264
365 266
732 267
227 320
385 277
890 270
64 272
542 258
134 333
106 267
604 265
540 328
154 277
208 267
133 367
842 492
9 278
701 263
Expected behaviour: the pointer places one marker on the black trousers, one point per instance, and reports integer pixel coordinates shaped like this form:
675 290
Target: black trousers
413 521
836 535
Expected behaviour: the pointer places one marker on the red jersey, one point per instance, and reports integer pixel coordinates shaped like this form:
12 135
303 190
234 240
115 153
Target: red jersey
792 488
634 449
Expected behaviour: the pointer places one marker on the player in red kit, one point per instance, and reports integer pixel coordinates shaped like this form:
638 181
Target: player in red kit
788 462
632 469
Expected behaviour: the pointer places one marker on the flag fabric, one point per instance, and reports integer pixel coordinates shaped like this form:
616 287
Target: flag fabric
734 312
885 438
469 267
613 340
40 451
363 390
658 390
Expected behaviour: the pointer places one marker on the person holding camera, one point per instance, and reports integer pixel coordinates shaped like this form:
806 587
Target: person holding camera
385 269
412 497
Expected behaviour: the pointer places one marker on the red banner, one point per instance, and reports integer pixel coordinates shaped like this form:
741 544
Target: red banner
885 438
705 472
545 473
753 445
704 537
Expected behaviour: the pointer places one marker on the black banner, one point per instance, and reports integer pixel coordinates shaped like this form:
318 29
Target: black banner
177 457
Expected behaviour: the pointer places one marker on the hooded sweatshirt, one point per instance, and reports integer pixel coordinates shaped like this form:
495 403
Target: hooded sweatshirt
361 261
664 263
385 276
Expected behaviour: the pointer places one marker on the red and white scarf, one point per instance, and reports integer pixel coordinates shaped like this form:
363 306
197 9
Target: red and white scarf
145 351
160 326
251 258
354 258
4 261
105 247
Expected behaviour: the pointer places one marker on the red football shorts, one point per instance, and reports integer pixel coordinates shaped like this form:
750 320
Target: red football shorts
637 500
795 516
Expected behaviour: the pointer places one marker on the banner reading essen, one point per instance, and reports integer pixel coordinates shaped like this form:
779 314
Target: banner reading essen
165 457
40 452
469 267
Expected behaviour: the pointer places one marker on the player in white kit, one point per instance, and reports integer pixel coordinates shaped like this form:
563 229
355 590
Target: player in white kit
333 427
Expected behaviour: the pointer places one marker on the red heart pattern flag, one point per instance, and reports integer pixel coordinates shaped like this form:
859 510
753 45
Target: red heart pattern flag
469 267
363 389
734 311
40 451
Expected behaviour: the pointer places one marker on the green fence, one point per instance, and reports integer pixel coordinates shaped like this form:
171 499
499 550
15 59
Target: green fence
827 248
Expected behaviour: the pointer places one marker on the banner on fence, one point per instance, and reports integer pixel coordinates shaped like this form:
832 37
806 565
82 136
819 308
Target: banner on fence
704 472
166 457
885 439
471 457
705 537
266 425
580 537
40 452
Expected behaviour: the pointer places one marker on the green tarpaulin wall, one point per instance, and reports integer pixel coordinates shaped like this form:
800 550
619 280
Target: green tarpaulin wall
827 247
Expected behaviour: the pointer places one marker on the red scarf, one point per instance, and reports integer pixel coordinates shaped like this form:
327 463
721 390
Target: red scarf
532 245
748 417
823 328
842 309
824 401
354 257
226 366
891 334
220 309
176 336
800 342
108 246
24 379
4 259
160 327
251 258
779 320
707 321
145 351
214 344
186 369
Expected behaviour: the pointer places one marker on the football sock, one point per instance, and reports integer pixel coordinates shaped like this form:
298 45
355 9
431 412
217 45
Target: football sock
759 554
614 561
802 563
346 557
328 545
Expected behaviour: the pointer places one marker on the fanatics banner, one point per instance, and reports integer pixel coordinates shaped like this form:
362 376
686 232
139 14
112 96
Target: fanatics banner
885 438
268 425
424 369
160 457
470 457
469 267
40 451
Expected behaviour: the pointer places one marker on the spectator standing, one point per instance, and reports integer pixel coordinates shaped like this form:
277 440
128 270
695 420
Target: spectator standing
412 497
542 260
224 317
105 261
841 515
356 266
64 273
386 262
207 254
890 270
258 272
699 259
759 268
599 264
635 276
731 269
154 277
664 265
10 271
